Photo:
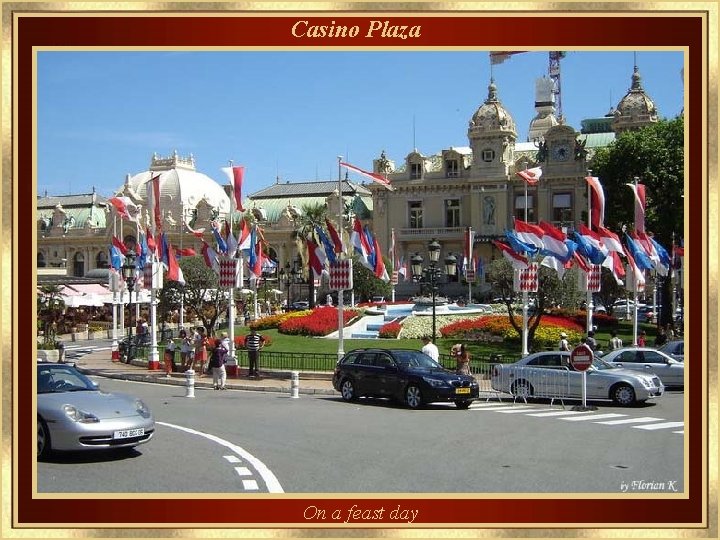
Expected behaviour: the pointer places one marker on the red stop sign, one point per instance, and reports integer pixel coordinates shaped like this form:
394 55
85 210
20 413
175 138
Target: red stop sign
581 357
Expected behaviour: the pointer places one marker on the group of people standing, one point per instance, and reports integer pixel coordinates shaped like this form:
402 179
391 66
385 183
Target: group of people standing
199 353
457 351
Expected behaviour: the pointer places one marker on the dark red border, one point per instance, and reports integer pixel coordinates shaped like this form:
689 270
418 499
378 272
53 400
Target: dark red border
440 30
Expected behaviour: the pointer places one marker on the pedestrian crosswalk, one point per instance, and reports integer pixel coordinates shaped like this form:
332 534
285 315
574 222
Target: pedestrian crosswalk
647 423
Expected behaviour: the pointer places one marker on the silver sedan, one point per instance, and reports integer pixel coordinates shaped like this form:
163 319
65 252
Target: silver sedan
548 374
74 414
651 361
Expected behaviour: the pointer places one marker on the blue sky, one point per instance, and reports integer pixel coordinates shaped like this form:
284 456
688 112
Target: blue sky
101 115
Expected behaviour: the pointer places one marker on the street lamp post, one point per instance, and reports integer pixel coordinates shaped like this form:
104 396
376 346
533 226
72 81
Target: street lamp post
128 273
432 273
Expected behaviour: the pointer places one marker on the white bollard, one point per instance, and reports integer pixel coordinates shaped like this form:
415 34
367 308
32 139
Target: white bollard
190 383
294 384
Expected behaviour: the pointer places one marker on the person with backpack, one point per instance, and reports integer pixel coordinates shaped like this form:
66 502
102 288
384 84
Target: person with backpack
218 357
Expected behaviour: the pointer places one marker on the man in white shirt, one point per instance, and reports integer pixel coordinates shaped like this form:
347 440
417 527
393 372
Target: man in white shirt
430 348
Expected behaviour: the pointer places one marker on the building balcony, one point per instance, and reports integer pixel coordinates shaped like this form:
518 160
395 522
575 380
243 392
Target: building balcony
428 233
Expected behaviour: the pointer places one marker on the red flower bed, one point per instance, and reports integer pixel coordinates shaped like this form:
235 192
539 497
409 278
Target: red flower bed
320 322
499 325
390 330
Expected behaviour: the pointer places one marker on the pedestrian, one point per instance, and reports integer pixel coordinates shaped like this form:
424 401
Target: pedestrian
218 357
253 343
462 358
186 349
169 355
200 343
430 348
563 345
641 339
661 337
590 340
615 341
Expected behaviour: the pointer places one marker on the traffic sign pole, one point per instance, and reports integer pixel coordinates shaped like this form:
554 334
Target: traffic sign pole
581 359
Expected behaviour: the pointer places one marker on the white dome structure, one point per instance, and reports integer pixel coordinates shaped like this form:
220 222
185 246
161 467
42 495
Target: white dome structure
491 118
183 191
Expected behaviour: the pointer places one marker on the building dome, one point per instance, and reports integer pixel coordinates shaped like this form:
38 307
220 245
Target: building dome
636 109
491 118
182 189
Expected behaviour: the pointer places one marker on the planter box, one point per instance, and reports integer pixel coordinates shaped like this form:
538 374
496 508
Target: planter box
52 355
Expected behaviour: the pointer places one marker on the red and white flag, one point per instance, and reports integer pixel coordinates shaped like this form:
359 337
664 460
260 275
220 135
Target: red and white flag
519 262
174 272
318 258
597 202
468 250
639 192
529 233
380 179
125 208
380 270
235 175
615 265
245 240
153 201
498 57
531 176
120 245
611 240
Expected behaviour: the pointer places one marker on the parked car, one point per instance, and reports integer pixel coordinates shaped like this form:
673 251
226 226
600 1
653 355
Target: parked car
129 345
300 305
648 360
406 375
675 349
622 308
539 372
73 414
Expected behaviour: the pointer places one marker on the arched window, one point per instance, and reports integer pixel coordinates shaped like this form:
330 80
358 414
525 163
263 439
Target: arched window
41 260
101 261
78 265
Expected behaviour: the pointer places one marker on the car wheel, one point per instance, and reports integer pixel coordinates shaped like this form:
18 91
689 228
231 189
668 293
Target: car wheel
522 389
43 438
463 404
347 390
413 397
623 394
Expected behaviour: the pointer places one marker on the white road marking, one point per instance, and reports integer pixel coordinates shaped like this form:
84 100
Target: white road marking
243 471
477 405
661 426
523 410
558 413
232 459
681 432
507 407
630 421
250 485
272 483
591 417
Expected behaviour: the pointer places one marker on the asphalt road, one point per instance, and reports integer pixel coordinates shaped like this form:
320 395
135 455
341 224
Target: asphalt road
259 442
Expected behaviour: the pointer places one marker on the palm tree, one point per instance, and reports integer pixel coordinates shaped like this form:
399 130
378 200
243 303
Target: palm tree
312 216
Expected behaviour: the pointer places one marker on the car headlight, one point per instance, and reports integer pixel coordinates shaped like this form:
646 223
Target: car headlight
141 408
435 382
78 415
647 383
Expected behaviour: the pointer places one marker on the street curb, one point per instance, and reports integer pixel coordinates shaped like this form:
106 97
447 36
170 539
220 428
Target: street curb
177 381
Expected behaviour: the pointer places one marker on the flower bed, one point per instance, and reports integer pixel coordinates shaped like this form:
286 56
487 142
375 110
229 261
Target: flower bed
318 322
390 330
274 321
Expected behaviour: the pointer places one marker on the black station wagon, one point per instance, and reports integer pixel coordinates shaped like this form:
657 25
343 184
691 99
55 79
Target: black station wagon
405 375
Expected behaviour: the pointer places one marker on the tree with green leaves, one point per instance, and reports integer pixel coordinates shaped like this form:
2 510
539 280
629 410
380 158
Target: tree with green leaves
203 295
366 284
552 292
655 156
50 306
311 216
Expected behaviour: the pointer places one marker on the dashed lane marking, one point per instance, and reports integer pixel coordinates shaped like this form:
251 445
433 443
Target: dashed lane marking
232 459
507 407
522 410
559 413
664 425
243 471
271 482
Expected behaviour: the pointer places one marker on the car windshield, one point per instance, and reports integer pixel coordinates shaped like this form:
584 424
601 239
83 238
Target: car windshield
415 359
600 364
53 379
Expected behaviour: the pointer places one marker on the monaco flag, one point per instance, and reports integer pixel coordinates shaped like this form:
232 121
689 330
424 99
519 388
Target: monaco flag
531 176
235 175
380 179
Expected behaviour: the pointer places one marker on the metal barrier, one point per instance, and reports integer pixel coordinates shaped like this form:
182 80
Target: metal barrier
524 382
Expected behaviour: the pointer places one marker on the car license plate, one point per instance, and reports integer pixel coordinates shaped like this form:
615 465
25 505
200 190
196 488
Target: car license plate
462 390
127 433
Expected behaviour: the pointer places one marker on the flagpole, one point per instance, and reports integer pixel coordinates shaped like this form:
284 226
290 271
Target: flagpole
394 263
182 296
231 290
470 264
588 298
635 287
115 286
525 295
122 295
154 359
341 300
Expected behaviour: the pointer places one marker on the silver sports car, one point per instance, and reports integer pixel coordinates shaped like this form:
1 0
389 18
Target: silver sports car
74 414
549 374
